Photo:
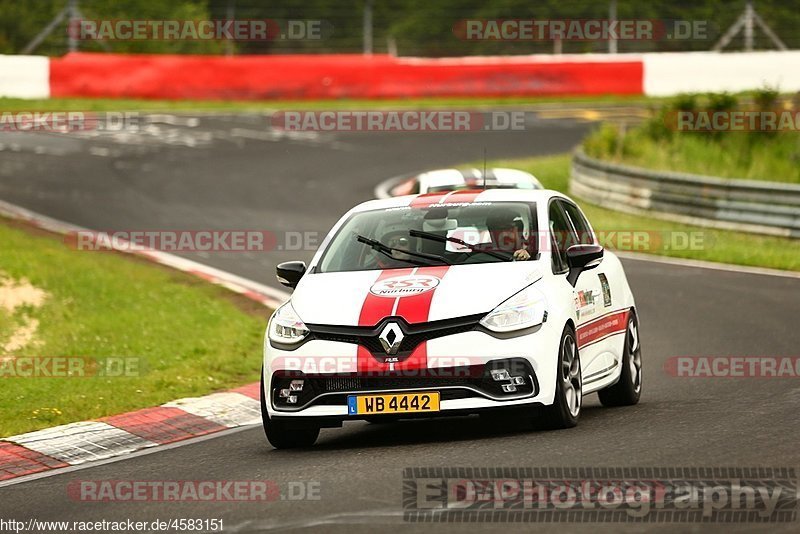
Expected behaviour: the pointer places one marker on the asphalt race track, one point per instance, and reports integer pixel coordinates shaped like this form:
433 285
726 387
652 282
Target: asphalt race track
226 172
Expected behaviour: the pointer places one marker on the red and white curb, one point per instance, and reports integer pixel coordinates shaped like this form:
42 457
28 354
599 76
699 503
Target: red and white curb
88 441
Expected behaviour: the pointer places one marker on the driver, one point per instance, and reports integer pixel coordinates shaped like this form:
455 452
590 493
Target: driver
396 240
506 234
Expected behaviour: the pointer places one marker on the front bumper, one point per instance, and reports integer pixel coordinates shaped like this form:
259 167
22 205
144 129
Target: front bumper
457 366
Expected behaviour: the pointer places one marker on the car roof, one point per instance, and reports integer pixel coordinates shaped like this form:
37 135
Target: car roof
443 177
510 176
502 175
488 195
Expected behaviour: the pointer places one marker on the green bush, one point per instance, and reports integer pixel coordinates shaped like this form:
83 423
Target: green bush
655 144
722 102
766 99
603 142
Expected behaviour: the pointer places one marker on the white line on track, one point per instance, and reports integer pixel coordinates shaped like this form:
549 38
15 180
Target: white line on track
699 264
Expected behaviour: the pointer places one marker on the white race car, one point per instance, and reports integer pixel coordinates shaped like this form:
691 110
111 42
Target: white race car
453 303
442 180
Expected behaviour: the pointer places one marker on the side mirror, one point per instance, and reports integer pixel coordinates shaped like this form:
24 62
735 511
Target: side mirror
581 258
290 272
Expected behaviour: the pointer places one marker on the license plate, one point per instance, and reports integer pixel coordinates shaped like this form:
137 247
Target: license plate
395 403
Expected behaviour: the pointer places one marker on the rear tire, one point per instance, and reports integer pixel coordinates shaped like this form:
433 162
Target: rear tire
628 390
566 407
282 435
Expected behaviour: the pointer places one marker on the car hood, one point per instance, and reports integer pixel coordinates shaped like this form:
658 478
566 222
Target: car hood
364 298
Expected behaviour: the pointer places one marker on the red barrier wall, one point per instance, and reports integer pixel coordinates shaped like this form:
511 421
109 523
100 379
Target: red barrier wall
334 76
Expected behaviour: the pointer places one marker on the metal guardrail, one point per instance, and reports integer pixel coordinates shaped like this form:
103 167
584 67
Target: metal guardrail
744 205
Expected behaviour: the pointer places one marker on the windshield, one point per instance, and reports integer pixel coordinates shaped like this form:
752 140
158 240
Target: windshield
382 239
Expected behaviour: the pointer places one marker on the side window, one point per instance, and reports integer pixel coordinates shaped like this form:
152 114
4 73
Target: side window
560 231
579 222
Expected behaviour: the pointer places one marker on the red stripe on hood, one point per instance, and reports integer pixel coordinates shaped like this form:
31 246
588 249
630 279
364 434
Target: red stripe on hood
376 308
413 308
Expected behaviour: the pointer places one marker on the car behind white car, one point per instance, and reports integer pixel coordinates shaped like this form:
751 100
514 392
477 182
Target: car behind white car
441 180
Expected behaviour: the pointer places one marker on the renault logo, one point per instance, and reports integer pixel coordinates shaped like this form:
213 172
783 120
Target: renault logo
390 337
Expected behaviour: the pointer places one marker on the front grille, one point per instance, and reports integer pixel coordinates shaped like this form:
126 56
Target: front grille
451 382
341 384
414 335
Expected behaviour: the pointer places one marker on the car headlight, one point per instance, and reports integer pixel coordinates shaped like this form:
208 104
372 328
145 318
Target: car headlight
525 309
286 327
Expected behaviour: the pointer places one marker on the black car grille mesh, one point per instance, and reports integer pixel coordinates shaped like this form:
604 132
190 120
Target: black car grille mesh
367 337
451 382
375 383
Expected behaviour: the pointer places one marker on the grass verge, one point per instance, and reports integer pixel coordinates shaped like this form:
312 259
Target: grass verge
115 104
712 245
176 335
698 145
772 158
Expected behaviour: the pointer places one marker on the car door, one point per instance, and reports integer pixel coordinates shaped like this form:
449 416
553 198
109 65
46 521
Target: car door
590 295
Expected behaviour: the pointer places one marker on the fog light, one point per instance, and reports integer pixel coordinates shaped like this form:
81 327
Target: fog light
292 399
296 385
500 374
518 380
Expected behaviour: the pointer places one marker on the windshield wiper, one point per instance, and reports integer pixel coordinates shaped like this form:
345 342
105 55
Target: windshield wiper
472 248
387 251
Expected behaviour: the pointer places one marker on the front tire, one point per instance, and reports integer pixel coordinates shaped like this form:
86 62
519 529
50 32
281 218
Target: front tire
281 435
628 390
566 407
